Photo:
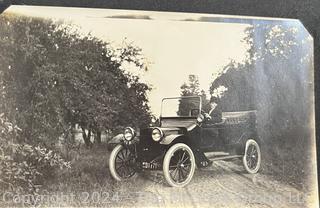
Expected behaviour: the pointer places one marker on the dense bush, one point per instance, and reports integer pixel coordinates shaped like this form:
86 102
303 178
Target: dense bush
24 166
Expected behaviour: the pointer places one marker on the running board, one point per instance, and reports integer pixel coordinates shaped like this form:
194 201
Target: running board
215 154
225 157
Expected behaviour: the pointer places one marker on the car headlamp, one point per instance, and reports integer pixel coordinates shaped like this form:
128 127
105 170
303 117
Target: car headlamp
129 133
157 134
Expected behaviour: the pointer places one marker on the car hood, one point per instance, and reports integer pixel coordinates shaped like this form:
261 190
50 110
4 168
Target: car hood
171 126
178 122
166 130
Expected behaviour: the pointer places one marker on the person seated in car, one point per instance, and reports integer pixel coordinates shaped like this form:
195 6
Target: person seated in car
214 112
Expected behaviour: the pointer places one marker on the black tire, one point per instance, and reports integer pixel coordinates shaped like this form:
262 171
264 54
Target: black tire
122 163
252 157
179 165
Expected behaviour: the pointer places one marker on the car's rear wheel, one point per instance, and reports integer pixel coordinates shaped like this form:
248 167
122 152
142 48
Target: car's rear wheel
122 163
252 157
179 165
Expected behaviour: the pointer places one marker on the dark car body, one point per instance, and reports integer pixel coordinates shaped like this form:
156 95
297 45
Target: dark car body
228 136
181 140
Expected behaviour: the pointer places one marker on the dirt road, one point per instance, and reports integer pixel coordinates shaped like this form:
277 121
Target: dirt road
224 184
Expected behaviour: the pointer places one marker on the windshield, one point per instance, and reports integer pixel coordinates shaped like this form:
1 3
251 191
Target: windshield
181 107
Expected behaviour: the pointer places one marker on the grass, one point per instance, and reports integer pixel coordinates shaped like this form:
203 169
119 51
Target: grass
90 182
290 161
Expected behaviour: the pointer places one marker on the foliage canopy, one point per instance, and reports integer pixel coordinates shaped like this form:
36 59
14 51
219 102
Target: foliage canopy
53 77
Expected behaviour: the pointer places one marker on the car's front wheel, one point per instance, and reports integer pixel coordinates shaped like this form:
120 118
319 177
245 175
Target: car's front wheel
252 157
122 163
179 165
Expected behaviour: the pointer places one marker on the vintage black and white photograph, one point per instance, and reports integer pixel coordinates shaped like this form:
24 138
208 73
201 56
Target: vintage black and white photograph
128 108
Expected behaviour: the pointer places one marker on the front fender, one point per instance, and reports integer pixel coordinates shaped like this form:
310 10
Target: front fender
170 138
119 139
241 141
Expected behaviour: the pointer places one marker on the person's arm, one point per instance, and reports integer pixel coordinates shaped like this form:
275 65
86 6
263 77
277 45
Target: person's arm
207 116
216 115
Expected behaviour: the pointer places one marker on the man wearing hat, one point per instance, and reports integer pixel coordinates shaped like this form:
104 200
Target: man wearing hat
214 112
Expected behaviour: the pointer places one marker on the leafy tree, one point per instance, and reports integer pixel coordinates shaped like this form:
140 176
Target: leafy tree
276 81
192 88
273 79
55 77
240 81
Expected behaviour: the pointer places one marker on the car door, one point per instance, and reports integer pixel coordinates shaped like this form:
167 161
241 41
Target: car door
210 137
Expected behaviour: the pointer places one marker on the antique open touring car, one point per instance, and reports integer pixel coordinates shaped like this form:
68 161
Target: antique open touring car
183 136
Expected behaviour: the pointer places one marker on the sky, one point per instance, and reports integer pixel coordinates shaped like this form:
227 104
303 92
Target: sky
174 48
